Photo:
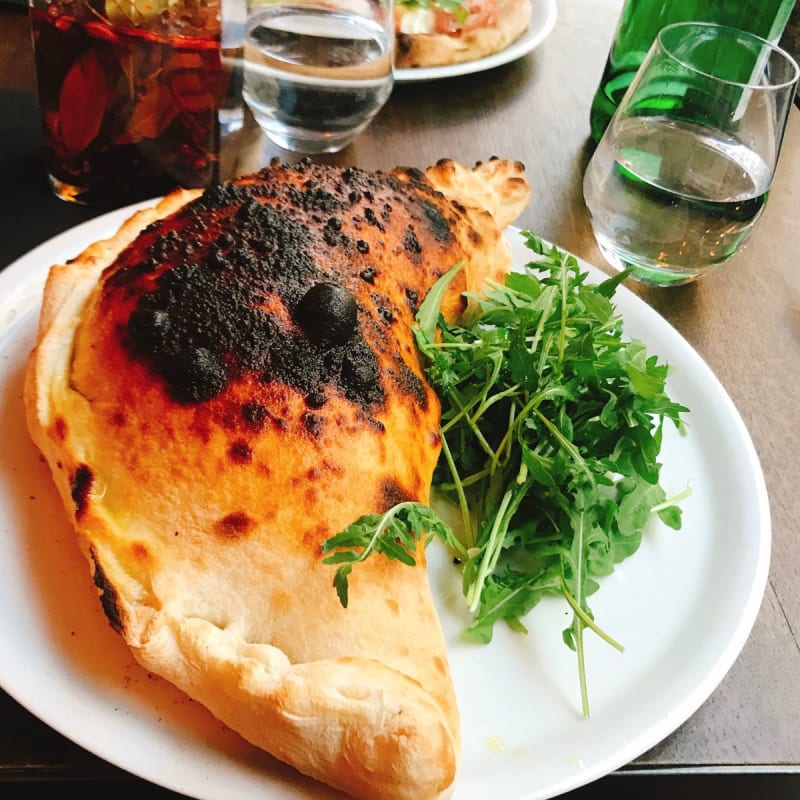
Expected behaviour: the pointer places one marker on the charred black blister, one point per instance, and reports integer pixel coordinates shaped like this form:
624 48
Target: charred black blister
327 313
150 326
386 313
439 225
109 598
80 486
411 244
255 415
314 423
206 321
410 384
195 374
315 398
392 493
217 260
360 373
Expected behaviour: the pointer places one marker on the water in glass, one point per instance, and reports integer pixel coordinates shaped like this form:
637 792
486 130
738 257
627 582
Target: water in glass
679 215
681 175
315 78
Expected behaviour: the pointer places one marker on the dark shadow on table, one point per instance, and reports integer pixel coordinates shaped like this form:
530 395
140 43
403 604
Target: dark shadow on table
620 786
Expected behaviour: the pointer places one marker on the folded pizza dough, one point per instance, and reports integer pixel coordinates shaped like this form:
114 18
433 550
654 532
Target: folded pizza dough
227 382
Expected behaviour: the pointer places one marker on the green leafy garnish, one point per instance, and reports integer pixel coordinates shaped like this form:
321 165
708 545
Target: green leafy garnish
458 8
551 429
394 533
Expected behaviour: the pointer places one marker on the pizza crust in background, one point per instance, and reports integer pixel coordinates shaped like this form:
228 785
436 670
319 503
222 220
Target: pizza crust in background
435 49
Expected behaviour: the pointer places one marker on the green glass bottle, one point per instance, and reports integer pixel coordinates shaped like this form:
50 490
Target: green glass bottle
640 22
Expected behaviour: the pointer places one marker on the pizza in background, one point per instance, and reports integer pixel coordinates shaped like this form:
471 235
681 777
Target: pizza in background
434 33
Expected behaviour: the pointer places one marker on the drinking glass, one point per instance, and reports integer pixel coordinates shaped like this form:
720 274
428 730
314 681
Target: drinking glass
682 173
316 72
130 93
639 24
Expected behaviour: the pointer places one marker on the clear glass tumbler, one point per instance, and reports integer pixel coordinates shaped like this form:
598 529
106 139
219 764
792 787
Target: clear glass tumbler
316 72
682 173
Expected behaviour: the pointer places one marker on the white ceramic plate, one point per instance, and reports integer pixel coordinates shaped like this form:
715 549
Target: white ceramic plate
543 20
524 737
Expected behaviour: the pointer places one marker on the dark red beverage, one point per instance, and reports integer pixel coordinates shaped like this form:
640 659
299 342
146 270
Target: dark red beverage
129 101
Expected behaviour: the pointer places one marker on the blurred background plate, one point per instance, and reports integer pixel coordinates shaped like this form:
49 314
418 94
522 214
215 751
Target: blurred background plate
543 19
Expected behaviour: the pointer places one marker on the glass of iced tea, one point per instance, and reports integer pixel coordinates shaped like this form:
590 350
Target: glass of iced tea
131 93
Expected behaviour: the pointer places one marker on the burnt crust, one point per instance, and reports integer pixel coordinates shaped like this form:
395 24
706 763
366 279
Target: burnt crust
214 294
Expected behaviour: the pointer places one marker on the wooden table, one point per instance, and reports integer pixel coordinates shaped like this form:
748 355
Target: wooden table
744 320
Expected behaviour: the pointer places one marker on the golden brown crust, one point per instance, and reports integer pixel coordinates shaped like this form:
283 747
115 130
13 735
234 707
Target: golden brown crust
438 49
202 515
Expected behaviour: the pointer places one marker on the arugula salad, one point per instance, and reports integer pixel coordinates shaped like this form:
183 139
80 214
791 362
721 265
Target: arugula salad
551 431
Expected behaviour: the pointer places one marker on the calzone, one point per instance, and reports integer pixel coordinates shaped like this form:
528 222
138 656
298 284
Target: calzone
227 382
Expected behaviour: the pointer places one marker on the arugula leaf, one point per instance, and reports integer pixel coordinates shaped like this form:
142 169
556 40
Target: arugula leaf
394 533
551 430
428 314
